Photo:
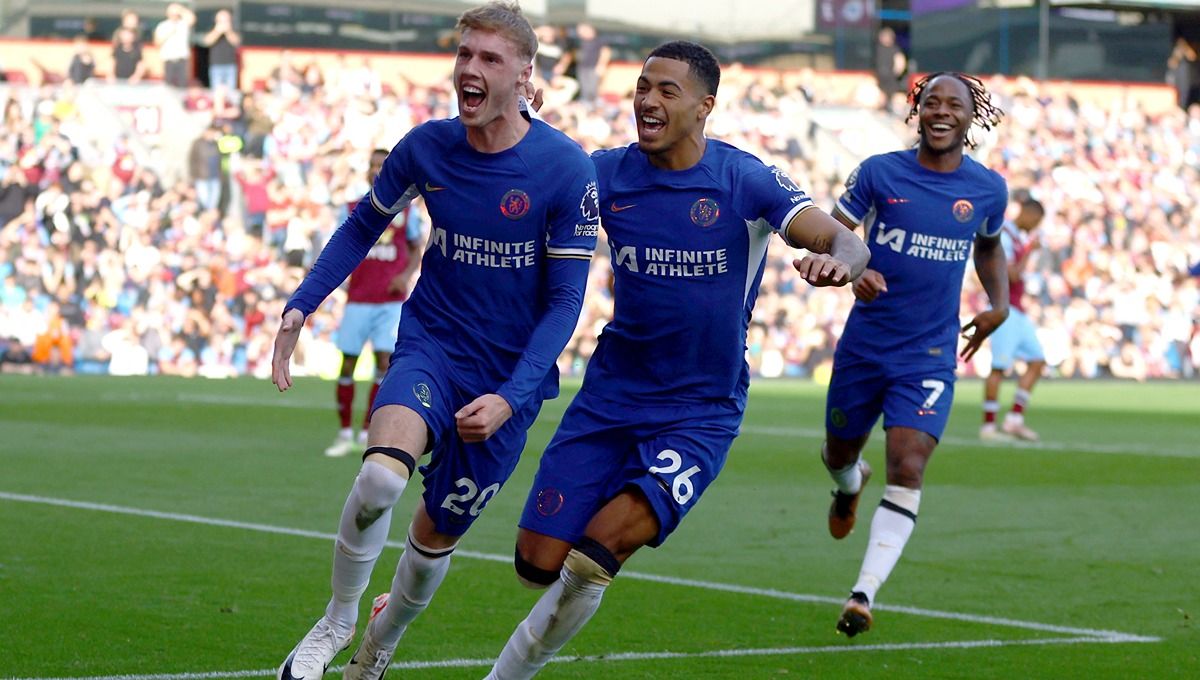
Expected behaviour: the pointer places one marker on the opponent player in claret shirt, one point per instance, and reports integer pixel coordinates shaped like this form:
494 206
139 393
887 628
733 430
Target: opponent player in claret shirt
374 297
688 220
514 219
922 210
1017 337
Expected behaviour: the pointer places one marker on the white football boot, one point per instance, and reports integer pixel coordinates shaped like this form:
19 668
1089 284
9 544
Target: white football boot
371 660
310 659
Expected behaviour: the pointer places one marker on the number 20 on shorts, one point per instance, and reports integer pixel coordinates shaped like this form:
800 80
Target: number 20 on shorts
470 490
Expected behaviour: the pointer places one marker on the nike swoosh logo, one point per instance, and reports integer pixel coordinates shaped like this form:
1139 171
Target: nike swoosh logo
618 208
429 187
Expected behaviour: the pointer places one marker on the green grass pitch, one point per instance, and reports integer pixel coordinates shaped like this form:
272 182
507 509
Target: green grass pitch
181 529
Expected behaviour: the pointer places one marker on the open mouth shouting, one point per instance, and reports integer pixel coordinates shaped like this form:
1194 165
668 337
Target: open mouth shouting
650 126
472 98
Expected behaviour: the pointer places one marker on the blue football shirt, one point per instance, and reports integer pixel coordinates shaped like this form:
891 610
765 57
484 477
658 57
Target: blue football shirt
504 270
920 226
688 250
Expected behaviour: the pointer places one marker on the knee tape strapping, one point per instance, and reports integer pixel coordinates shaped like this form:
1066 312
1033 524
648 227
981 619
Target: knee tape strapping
592 562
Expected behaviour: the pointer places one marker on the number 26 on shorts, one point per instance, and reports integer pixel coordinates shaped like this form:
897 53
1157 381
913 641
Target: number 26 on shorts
681 487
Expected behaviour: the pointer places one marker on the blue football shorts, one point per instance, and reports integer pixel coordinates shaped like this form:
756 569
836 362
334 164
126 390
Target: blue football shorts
460 478
363 321
911 395
672 454
1016 338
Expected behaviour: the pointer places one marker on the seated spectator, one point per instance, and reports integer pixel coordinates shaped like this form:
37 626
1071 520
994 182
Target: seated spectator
53 348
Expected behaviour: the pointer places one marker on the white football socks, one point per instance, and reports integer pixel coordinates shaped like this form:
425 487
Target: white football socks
561 612
418 576
363 530
891 527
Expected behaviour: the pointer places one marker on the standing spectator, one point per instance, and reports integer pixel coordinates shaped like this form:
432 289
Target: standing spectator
258 125
254 179
228 144
1181 66
223 43
890 64
552 59
127 58
173 36
83 65
204 165
591 60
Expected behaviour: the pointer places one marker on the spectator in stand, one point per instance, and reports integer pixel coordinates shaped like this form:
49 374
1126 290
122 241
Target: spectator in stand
15 191
890 65
53 348
128 64
1182 68
552 58
254 179
591 59
1120 188
204 166
83 64
90 356
223 43
173 36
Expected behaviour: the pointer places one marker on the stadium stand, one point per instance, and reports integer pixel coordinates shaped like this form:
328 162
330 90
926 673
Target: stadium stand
110 260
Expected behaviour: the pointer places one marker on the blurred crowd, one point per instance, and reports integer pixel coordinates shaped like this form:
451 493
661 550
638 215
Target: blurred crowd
1109 287
106 268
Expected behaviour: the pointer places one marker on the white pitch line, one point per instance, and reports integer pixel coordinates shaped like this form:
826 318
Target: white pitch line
670 580
632 656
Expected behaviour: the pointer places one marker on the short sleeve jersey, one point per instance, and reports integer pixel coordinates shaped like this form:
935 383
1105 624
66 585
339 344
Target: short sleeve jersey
1016 243
371 281
688 252
920 226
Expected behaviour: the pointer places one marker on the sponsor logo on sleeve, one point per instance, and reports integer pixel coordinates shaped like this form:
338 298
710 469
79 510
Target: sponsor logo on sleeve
588 205
853 178
785 181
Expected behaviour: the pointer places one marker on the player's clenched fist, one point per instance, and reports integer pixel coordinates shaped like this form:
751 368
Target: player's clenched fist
481 418
285 344
868 286
820 269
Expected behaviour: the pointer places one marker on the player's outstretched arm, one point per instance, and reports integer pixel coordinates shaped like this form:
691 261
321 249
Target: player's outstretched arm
285 344
347 247
836 255
992 267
